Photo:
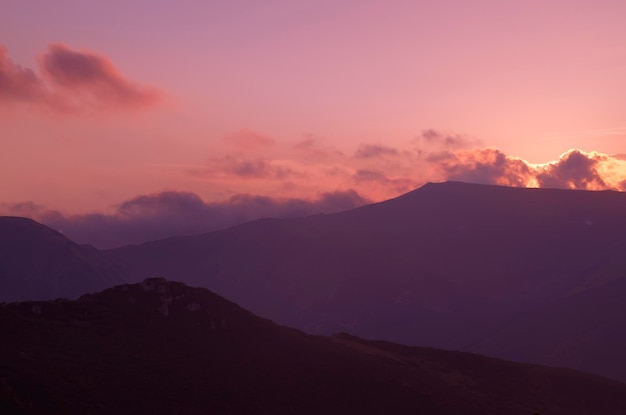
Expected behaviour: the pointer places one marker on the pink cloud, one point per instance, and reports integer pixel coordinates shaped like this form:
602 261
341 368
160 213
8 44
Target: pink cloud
375 179
242 166
313 148
72 81
17 83
375 150
431 140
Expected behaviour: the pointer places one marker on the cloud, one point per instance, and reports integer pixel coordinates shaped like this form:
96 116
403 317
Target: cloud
72 81
243 167
29 209
156 216
486 166
375 150
382 171
431 141
330 202
313 148
283 182
379 180
575 169
162 204
17 83
363 175
95 77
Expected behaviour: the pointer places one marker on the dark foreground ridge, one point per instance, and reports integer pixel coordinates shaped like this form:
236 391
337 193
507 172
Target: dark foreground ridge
165 348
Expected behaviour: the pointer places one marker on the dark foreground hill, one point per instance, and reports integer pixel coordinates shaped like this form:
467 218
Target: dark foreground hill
448 265
38 263
164 348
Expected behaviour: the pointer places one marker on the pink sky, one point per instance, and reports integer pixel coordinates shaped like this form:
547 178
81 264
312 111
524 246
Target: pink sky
101 102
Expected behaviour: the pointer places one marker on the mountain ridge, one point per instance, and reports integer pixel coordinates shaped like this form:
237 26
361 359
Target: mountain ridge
120 351
442 266
37 262
448 265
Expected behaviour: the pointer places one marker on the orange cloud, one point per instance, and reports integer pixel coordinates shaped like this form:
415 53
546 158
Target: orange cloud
72 81
575 169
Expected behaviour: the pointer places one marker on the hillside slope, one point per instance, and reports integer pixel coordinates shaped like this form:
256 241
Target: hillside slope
586 330
163 347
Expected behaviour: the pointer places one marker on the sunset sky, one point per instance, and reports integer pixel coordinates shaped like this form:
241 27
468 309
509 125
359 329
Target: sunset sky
112 107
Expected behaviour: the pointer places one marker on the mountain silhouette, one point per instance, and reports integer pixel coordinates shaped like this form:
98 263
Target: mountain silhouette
534 275
445 266
162 347
38 263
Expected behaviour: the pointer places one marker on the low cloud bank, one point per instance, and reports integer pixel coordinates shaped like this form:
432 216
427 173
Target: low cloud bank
161 215
257 166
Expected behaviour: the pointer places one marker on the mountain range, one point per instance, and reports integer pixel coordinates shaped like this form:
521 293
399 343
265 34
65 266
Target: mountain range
534 275
165 348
